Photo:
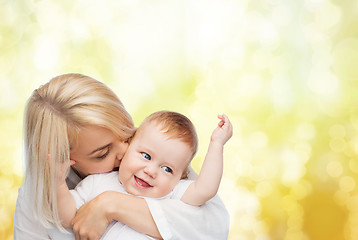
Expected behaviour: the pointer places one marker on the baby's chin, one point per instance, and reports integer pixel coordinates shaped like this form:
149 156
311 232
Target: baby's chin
157 195
148 193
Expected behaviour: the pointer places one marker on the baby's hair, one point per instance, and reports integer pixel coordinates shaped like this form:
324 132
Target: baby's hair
176 126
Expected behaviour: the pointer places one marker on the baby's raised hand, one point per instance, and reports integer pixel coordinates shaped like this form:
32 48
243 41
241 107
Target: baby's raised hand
223 132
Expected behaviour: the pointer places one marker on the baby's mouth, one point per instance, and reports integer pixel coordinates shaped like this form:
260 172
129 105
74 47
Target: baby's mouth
141 183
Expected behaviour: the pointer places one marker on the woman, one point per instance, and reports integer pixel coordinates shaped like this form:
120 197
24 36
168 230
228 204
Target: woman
76 119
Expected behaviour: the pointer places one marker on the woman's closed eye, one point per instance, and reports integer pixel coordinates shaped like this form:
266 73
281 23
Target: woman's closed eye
146 156
104 155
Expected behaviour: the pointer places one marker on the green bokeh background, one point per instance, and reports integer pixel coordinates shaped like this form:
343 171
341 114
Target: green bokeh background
285 71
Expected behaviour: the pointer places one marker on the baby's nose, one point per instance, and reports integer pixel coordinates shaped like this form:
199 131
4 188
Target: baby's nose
151 170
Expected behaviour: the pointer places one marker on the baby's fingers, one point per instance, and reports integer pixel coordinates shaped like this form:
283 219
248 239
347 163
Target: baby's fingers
222 122
227 126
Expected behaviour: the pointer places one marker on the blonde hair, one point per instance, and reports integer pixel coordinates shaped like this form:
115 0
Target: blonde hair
54 116
176 126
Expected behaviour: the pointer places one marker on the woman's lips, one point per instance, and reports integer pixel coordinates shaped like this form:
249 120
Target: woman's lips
141 183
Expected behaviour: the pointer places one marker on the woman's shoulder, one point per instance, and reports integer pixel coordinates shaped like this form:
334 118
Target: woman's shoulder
26 226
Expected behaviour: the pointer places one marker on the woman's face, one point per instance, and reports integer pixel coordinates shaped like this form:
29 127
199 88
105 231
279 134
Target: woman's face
98 151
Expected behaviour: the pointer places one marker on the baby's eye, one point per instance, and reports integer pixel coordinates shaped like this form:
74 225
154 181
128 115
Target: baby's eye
167 169
146 156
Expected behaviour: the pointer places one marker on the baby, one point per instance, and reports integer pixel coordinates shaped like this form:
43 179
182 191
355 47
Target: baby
155 166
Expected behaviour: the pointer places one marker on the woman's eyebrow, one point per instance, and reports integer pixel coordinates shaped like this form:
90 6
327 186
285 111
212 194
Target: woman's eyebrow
99 149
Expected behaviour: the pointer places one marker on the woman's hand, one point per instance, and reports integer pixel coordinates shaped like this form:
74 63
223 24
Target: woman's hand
91 219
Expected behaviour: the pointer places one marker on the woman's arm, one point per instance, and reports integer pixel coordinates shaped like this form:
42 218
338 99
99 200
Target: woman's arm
93 217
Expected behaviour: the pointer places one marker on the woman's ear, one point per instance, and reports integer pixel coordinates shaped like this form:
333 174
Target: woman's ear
72 162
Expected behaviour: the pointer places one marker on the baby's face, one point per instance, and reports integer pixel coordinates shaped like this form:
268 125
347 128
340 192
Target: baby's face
153 164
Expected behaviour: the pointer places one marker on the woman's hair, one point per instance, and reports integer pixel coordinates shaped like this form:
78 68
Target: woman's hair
54 116
176 126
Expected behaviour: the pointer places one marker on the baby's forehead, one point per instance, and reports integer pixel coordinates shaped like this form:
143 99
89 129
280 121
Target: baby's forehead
153 126
173 128
158 128
152 131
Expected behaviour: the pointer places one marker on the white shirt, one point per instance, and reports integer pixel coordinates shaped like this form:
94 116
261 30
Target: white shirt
95 184
174 219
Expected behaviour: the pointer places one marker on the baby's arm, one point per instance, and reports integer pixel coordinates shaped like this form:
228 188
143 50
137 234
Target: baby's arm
66 204
208 181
